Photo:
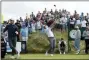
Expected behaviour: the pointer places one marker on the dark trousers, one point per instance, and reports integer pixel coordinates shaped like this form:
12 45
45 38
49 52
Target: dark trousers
18 37
71 26
82 30
52 45
86 46
62 49
12 42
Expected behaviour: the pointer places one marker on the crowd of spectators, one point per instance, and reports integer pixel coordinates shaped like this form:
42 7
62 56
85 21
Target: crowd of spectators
33 23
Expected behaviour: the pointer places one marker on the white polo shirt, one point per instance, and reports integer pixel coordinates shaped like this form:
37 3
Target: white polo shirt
63 20
78 22
38 25
83 23
49 32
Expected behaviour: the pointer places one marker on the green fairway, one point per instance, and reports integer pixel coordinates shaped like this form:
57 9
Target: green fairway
56 56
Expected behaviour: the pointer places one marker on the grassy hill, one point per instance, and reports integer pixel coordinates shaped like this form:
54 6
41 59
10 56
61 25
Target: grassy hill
38 42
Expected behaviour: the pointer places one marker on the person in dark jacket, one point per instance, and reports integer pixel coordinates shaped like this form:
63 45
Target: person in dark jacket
26 21
19 27
12 36
21 20
62 46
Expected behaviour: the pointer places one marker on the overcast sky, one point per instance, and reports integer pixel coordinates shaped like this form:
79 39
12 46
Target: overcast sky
16 9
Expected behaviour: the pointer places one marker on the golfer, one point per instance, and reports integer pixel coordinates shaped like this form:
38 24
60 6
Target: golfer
48 30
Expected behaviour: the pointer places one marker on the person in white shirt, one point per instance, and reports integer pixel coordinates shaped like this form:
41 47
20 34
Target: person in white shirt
33 26
87 17
63 23
83 26
48 31
78 23
38 24
83 23
65 20
72 21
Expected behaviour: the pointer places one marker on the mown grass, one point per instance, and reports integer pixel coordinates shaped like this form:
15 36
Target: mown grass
56 56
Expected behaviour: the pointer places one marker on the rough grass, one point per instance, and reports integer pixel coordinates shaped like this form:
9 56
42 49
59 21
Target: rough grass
38 42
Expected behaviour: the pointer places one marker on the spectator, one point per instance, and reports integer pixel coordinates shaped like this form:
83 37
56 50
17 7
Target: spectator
45 10
32 16
68 17
72 22
26 21
51 12
33 25
21 21
75 14
38 25
38 15
81 16
56 14
29 26
62 46
60 13
12 35
87 17
87 24
63 22
47 18
77 39
83 26
24 33
19 27
78 23
86 37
